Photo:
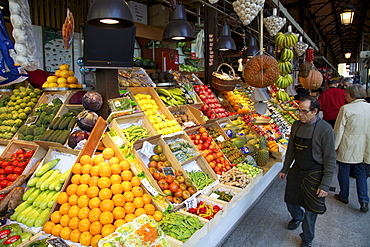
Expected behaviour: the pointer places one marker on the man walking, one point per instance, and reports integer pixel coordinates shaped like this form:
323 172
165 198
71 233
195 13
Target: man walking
311 148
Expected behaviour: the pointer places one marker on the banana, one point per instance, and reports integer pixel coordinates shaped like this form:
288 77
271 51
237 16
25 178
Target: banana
279 81
283 55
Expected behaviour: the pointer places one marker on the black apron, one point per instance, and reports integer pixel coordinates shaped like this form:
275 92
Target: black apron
304 177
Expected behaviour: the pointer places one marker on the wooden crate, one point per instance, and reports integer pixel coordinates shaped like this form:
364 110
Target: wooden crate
199 164
194 116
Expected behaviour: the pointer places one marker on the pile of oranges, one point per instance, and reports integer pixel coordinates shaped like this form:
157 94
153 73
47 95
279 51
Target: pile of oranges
64 78
102 196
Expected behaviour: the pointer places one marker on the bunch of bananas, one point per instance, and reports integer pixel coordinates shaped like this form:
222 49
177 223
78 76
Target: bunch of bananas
172 97
284 81
281 95
285 67
286 55
286 40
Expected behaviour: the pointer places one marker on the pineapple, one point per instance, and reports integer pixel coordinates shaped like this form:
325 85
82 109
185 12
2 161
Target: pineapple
263 153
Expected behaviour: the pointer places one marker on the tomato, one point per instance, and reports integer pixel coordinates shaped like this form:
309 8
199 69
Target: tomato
160 165
15 163
192 190
167 163
163 184
167 192
158 175
169 179
29 154
23 164
163 157
152 170
13 155
204 136
178 193
202 129
18 170
179 173
14 177
173 187
1 171
170 198
180 178
9 169
152 164
188 182
20 151
2 177
4 183
20 157
186 194
177 200
6 163
183 186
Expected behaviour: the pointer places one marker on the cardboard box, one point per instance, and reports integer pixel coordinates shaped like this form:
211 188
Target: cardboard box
158 15
139 12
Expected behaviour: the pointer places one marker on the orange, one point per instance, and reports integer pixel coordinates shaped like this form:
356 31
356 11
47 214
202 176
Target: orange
64 208
83 213
85 178
135 181
94 202
76 168
139 211
83 201
64 220
151 217
85 169
73 223
48 226
129 196
139 202
71 189
119 213
126 185
149 208
97 159
65 232
106 205
104 182
106 218
92 191
119 200
62 198
95 240
94 214
138 191
114 160
105 193
129 207
85 238
116 189
75 179
94 181
147 198
73 211
95 228
63 66
55 217
56 230
104 170
125 165
158 215
107 153
75 236
130 217
115 179
107 229
72 200
115 168
82 189
85 160
72 79
84 225
126 175
94 171
119 222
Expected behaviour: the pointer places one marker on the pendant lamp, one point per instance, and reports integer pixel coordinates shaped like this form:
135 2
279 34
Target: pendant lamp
259 95
224 42
346 15
178 29
110 14
270 50
252 48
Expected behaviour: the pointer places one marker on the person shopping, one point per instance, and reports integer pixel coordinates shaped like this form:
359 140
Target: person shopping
311 150
352 144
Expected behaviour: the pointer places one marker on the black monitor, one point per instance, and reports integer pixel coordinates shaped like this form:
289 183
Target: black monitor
108 48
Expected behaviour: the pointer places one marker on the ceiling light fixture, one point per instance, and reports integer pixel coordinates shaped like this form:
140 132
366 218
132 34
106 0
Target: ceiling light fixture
178 29
347 55
252 48
224 42
347 13
110 14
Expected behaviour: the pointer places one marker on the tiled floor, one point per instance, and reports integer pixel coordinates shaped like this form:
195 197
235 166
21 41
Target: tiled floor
265 224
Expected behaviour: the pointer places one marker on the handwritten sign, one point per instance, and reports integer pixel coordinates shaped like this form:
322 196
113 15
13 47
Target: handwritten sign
149 187
191 202
57 242
168 171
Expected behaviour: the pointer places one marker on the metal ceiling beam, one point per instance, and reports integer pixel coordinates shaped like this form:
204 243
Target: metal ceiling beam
321 7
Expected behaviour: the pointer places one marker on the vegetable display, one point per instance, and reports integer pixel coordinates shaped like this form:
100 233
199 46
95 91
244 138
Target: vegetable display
181 149
13 235
92 101
200 179
204 210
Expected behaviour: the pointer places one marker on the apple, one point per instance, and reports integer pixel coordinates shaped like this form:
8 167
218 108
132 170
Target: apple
204 107
213 116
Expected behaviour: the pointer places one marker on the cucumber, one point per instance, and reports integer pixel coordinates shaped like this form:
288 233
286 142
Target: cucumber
28 193
53 122
47 182
50 137
46 199
56 124
41 171
72 123
43 178
56 136
64 176
33 181
61 123
53 199
40 221
65 123
33 196
46 135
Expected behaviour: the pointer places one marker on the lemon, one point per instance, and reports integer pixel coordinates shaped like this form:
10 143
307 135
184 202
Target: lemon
165 131
53 84
45 84
178 128
148 96
163 116
158 119
160 132
52 79
152 101
161 125
156 126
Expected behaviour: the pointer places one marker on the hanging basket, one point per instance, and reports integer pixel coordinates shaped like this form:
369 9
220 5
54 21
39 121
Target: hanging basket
222 81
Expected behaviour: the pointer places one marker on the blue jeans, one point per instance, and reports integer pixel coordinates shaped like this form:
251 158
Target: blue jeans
308 219
359 171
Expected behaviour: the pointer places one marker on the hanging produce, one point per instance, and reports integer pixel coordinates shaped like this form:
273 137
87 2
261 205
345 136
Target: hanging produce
282 96
310 55
300 47
25 45
286 40
313 81
304 69
68 30
261 71
247 10
274 23
284 81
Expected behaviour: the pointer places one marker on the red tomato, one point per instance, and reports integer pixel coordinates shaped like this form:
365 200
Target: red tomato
29 154
20 157
6 163
4 183
23 164
1 171
15 163
9 169
18 170
20 151
2 177
14 177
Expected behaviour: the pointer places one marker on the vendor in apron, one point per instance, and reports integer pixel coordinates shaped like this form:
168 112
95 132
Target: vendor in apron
311 150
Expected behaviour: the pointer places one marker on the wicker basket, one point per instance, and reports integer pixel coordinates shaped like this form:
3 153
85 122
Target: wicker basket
221 84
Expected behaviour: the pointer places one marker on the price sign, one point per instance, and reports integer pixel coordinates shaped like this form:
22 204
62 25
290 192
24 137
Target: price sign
117 103
168 171
149 187
189 124
57 242
214 195
191 202
147 149
220 139
31 120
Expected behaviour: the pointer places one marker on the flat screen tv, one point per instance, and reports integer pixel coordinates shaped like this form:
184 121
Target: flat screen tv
108 48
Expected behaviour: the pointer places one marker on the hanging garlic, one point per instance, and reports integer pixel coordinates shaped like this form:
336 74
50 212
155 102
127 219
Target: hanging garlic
247 10
300 47
274 23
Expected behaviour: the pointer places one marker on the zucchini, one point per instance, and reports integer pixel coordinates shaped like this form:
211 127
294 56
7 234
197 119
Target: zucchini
45 185
33 181
28 193
40 221
42 170
33 196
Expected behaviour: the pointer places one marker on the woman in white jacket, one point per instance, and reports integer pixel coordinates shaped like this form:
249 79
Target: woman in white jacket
352 143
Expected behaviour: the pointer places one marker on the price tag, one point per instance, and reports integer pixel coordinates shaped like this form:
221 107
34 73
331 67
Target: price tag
57 242
149 187
214 195
191 202
117 103
192 166
31 120
220 138
168 171
147 149
189 124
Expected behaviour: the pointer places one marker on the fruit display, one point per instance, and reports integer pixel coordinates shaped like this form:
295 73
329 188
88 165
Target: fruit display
162 77
223 195
184 119
102 194
273 146
162 124
300 47
200 179
282 121
63 78
286 40
172 97
247 10
248 169
14 235
181 148
282 96
205 210
134 133
239 100
180 226
214 108
16 111
134 78
263 152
